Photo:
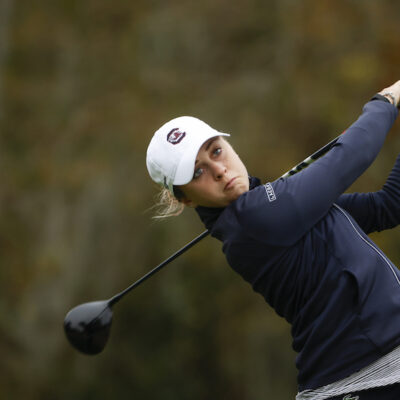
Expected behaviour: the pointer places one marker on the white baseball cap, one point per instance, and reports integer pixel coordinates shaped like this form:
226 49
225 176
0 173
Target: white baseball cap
172 152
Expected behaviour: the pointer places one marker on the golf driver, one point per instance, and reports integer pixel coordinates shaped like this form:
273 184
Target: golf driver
88 325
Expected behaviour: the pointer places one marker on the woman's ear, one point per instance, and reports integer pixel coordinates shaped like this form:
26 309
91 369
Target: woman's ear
181 197
188 203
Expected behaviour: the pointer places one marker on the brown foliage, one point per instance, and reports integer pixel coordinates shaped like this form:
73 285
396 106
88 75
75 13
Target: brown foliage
82 87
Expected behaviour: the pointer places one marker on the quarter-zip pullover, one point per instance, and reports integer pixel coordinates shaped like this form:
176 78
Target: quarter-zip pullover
302 244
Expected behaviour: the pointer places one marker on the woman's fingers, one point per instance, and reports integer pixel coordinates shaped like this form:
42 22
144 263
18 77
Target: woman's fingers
392 93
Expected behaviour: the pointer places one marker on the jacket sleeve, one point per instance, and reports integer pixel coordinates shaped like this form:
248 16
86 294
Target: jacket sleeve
298 202
378 210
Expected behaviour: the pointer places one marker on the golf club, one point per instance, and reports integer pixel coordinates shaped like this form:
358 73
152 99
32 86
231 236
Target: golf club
88 325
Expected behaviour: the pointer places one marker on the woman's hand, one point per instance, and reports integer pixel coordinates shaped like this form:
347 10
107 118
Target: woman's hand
392 93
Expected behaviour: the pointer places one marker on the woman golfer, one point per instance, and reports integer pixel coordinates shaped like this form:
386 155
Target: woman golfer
303 245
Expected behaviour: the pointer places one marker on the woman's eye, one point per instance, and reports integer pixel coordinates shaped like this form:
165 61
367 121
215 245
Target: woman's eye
197 173
217 151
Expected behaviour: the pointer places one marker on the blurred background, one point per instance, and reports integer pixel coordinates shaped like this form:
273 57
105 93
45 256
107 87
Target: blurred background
83 86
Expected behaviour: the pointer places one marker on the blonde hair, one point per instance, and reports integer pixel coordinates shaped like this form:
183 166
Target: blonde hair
167 205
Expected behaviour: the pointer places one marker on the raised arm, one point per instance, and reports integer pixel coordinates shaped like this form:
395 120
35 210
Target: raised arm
304 198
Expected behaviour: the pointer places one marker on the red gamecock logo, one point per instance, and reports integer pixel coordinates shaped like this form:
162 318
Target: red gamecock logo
175 136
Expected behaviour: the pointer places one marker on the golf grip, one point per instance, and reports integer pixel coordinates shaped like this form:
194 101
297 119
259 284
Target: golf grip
305 163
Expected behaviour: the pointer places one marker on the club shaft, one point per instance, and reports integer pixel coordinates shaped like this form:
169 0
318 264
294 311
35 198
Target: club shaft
309 160
118 296
305 163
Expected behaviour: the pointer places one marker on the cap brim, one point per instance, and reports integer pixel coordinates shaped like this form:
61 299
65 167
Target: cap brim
185 170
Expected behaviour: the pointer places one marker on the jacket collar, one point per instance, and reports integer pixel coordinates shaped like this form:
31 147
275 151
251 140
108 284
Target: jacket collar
209 215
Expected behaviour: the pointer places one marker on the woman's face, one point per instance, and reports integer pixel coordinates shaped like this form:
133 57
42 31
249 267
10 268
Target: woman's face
219 178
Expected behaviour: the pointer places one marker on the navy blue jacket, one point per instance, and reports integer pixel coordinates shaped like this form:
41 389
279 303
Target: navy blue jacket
303 245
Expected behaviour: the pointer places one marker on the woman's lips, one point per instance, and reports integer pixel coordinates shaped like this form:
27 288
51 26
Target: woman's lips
229 184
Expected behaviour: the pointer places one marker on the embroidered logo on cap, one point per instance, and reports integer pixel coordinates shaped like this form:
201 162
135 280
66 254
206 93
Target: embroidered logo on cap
175 136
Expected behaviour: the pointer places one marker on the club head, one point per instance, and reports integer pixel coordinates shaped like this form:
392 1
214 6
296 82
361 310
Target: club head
87 326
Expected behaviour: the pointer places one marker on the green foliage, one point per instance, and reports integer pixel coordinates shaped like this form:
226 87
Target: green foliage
83 85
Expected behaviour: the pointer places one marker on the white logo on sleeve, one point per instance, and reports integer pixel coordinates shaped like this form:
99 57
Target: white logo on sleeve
270 192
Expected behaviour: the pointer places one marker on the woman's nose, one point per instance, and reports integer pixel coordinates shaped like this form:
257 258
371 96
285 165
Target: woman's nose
219 170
